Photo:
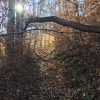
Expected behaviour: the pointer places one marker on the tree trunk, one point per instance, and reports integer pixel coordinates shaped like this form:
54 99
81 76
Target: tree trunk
13 41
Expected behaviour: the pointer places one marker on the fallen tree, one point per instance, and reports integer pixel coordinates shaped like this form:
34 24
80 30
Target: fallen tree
67 23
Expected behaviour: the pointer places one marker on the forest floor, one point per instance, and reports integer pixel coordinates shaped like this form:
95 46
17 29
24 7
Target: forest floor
34 78
28 78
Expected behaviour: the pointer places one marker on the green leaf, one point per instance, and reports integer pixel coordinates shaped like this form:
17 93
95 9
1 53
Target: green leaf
78 93
87 97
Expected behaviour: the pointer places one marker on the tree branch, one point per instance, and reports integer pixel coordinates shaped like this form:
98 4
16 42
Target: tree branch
67 23
36 29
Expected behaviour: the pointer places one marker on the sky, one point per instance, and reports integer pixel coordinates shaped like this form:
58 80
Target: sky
32 8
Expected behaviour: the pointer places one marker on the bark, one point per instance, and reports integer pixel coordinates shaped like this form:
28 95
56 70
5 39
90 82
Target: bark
67 23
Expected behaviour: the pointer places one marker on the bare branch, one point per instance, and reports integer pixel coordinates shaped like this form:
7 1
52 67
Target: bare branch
36 29
67 23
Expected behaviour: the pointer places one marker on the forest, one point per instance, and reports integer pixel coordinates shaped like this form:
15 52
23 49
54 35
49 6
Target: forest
49 50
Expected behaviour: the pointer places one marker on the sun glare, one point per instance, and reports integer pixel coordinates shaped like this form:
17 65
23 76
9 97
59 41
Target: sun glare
18 7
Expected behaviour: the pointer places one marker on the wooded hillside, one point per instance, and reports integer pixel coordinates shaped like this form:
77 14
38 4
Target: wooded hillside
49 50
